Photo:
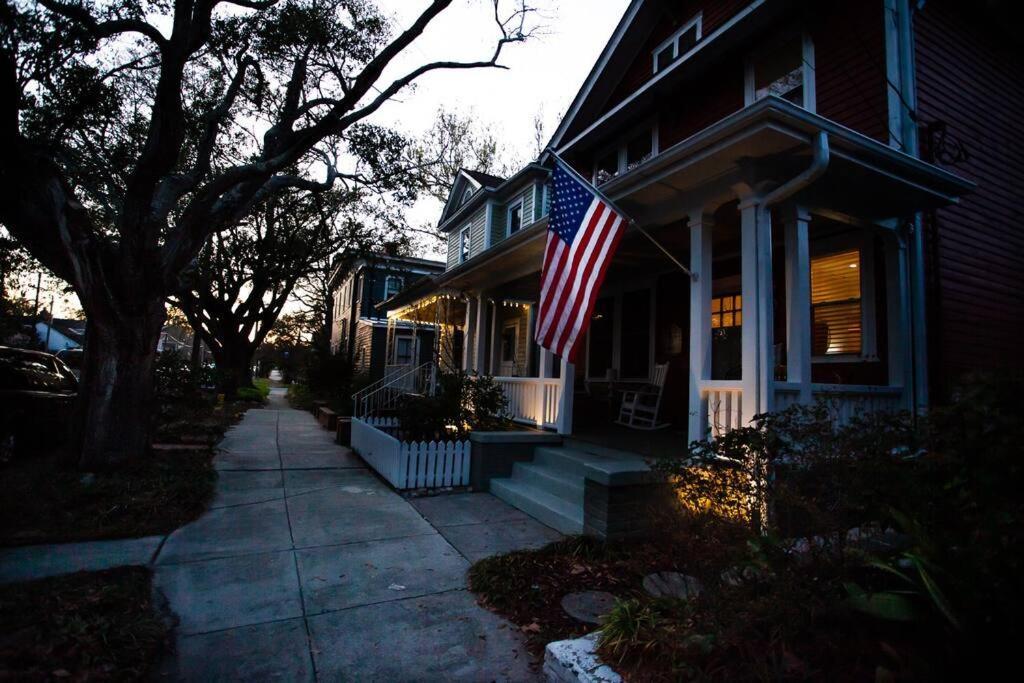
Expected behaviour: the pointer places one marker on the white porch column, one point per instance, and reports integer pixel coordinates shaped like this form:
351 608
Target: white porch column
798 300
756 272
467 334
700 321
480 340
531 343
494 364
897 294
568 379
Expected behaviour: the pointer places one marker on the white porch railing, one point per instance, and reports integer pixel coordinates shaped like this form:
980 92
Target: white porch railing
723 405
410 465
849 399
383 394
532 400
723 401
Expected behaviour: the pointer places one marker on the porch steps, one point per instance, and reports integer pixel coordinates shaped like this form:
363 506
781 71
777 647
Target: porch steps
550 488
545 507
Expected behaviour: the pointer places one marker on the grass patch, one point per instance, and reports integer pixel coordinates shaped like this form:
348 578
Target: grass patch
45 501
85 626
262 385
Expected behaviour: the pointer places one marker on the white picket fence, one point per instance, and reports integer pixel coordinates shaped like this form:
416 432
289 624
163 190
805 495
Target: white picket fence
410 465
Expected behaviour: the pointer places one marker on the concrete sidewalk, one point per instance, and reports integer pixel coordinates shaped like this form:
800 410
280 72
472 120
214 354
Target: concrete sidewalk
308 566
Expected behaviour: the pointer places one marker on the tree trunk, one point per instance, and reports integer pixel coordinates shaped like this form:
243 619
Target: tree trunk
234 366
115 407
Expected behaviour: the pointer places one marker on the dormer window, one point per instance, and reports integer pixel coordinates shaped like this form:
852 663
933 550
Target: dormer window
677 45
466 194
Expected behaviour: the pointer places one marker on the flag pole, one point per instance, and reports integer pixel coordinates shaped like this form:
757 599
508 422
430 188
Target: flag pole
632 222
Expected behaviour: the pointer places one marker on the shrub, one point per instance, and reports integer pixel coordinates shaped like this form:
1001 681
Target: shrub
460 404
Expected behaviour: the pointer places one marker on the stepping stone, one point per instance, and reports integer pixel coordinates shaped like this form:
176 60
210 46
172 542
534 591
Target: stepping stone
672 585
588 606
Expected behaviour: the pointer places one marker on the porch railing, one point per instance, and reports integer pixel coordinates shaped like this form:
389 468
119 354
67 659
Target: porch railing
532 400
848 399
383 395
723 405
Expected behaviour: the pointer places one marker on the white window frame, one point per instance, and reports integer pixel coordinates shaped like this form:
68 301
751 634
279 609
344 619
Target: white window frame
412 346
620 148
465 244
521 205
807 47
673 41
865 247
388 279
514 326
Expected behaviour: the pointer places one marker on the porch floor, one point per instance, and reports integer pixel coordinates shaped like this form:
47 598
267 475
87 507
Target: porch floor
661 443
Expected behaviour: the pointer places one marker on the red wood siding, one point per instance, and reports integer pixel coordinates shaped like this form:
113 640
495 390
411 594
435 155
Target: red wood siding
849 61
677 14
969 78
716 95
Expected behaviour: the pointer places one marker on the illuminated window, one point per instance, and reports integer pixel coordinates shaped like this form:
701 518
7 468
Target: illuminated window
836 304
726 311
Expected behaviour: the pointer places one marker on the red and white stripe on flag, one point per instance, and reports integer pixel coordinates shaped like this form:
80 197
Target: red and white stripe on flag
582 238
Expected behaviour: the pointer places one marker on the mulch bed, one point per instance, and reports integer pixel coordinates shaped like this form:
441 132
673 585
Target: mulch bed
81 627
527 586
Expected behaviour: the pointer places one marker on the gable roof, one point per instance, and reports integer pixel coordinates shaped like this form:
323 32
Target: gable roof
454 211
484 179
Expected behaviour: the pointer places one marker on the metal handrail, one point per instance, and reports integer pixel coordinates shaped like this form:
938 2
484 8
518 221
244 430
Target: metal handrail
384 393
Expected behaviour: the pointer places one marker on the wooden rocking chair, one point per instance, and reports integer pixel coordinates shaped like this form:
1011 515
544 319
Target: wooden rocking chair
639 409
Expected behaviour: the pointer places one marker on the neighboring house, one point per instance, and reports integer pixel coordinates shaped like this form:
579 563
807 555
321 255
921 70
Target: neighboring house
360 331
59 334
837 175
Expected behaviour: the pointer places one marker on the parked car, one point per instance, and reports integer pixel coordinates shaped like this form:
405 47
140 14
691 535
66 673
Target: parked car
37 392
73 359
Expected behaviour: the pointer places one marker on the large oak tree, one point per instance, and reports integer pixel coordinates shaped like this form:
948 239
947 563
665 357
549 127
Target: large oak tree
134 130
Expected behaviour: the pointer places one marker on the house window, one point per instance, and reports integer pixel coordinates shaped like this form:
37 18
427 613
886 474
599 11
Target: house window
404 347
836 304
726 311
626 155
464 244
677 45
466 195
515 217
607 167
784 70
392 285
639 149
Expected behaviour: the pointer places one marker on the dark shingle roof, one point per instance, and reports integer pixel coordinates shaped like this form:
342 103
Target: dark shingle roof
485 179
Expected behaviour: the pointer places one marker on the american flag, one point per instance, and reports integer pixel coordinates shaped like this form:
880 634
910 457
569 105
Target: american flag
583 232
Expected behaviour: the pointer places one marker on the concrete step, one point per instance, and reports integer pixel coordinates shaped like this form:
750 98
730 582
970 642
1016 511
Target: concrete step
603 451
569 460
541 505
565 486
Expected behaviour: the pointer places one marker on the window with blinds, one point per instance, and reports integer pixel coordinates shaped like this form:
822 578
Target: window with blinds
836 304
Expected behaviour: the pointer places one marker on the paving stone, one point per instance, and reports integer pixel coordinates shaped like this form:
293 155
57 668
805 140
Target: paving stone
318 457
241 488
352 481
672 585
231 592
276 650
445 637
328 517
588 606
466 508
477 541
224 532
337 577
39 561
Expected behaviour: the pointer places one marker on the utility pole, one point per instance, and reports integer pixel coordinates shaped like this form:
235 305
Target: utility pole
49 326
39 282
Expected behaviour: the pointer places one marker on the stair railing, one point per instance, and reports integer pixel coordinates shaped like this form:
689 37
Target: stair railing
384 394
